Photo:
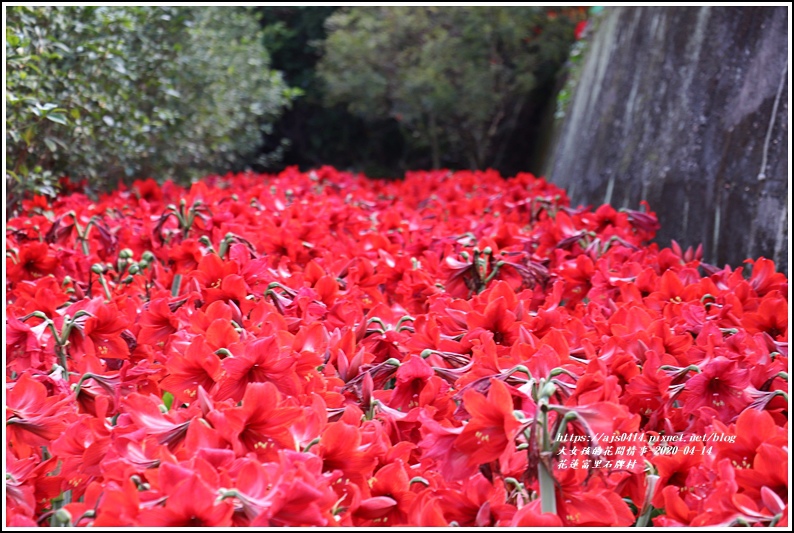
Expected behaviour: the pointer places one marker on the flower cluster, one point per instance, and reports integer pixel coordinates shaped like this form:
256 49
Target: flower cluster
316 349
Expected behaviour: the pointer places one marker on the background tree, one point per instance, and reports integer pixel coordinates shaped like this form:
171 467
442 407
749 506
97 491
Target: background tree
109 93
455 78
317 133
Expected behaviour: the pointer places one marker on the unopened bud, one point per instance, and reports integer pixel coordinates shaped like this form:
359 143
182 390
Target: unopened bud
62 518
548 390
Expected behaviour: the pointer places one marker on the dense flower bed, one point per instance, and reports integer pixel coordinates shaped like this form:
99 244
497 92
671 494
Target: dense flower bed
321 349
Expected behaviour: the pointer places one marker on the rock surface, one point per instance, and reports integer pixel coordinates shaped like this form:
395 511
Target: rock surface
686 107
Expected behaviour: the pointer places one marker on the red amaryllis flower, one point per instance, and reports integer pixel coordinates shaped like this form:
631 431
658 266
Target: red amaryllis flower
577 34
33 417
677 512
674 469
112 505
390 499
341 449
587 502
438 447
27 479
601 419
476 502
191 504
221 281
725 505
198 367
98 394
531 515
100 335
19 494
35 259
145 413
769 470
157 323
262 361
771 318
764 278
497 317
185 256
461 277
268 392
24 344
492 426
646 221
261 423
290 493
426 510
752 429
411 379
721 385
88 440
648 393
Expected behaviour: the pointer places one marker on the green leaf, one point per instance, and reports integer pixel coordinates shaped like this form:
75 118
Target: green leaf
58 118
12 39
50 144
168 400
176 284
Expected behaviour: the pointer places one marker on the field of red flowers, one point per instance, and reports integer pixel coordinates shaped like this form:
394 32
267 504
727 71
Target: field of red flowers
323 349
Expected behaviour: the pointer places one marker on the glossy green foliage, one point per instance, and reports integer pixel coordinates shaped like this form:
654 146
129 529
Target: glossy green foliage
116 93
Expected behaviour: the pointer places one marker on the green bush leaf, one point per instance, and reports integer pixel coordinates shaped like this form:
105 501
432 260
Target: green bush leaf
136 91
58 118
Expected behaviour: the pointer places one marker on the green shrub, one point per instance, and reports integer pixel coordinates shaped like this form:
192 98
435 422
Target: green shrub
110 93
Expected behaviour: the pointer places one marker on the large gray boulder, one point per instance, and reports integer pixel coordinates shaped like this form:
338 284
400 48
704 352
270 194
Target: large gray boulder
686 107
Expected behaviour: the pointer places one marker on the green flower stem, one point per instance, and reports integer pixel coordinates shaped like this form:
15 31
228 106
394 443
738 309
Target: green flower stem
647 508
548 499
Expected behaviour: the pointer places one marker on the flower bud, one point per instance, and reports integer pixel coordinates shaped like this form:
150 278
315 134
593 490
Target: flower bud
548 390
62 518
